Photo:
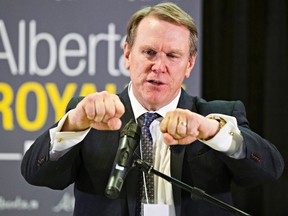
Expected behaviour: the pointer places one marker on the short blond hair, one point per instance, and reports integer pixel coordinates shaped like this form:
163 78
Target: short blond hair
169 12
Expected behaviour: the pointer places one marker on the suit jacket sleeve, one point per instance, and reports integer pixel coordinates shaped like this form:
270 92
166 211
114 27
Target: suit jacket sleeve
262 162
37 169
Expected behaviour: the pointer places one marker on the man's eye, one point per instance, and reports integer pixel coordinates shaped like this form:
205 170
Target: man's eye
171 55
150 52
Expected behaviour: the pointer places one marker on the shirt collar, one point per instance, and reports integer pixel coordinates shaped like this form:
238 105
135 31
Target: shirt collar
138 109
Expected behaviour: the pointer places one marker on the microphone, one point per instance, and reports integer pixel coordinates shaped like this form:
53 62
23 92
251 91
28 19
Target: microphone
129 140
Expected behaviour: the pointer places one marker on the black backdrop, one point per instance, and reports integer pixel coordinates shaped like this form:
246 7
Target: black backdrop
245 55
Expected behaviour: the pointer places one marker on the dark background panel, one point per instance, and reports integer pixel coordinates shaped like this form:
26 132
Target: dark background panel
245 55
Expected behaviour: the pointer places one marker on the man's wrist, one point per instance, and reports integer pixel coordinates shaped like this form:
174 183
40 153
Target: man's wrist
221 121
213 129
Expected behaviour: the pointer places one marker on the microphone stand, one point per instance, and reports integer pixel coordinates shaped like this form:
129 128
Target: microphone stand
195 192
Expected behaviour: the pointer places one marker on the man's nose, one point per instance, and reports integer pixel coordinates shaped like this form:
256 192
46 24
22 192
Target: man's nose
159 63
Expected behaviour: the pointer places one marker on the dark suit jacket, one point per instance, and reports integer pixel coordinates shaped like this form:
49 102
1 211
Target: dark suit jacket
89 163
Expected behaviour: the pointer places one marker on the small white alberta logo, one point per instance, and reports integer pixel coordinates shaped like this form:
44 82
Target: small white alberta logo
66 204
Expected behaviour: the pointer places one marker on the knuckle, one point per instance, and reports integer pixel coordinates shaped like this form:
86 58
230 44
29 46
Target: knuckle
89 98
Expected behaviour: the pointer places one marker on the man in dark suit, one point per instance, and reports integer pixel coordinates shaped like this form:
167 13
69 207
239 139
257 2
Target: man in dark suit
205 144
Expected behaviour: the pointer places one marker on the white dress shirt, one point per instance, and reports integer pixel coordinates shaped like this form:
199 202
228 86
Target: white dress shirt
228 140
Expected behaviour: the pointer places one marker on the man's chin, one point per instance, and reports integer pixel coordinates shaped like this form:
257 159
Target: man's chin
155 101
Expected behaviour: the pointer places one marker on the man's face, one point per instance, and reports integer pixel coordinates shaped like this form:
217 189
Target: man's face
158 61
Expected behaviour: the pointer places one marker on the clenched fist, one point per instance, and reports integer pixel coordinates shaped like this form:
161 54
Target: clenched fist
184 127
99 110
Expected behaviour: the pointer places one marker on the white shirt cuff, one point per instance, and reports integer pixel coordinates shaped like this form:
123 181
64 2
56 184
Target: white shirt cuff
229 139
61 141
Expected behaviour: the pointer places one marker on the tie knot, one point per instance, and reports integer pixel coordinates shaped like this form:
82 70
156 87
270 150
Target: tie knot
147 118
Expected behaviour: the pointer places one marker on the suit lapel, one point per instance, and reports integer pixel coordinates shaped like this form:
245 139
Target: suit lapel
132 177
177 152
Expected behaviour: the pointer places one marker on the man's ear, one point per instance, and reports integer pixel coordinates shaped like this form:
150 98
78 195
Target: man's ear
127 55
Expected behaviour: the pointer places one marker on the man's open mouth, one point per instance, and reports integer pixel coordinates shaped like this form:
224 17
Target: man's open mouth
155 82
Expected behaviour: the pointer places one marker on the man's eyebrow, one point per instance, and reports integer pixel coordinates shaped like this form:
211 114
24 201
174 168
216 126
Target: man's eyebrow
147 47
176 51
